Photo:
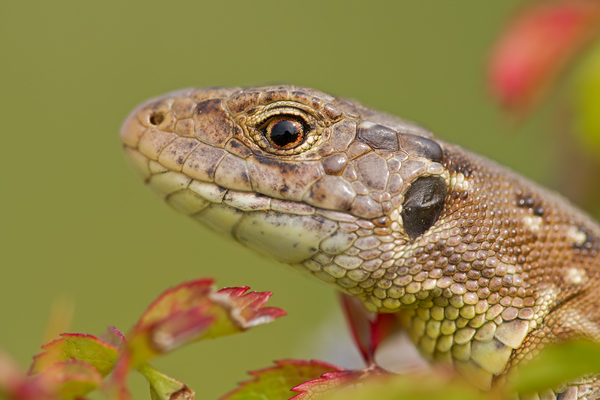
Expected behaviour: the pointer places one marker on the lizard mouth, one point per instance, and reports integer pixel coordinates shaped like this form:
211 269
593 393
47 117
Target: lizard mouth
290 231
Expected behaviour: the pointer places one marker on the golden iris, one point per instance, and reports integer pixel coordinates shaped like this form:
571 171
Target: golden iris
284 132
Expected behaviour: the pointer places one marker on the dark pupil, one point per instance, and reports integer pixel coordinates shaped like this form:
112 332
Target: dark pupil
284 132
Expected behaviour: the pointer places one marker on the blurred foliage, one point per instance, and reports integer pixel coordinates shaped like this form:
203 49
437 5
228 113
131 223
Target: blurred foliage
75 364
557 365
535 47
433 386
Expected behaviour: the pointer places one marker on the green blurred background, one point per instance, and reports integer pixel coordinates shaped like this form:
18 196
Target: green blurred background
77 223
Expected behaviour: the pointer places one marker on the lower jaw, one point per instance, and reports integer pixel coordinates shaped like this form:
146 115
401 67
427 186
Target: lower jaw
320 242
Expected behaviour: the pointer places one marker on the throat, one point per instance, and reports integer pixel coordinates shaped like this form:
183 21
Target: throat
478 339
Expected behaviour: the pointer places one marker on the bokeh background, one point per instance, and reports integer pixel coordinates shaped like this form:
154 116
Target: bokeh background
76 223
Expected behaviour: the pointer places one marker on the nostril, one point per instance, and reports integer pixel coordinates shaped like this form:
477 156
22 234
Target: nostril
156 118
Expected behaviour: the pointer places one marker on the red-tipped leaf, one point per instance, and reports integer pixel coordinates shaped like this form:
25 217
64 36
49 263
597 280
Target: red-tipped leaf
76 346
247 308
276 382
331 382
194 311
326 384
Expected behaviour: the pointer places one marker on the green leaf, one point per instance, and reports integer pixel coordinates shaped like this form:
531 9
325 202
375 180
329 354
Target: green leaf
76 346
556 365
276 383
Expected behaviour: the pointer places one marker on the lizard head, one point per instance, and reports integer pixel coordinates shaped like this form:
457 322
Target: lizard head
317 182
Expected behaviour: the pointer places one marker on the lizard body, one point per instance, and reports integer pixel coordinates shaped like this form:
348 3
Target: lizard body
486 267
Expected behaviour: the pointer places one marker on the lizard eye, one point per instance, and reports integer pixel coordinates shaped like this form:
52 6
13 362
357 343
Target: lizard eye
284 129
284 132
423 204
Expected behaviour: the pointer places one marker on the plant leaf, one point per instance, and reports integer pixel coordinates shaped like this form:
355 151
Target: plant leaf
327 384
276 383
69 380
194 311
76 346
174 300
245 310
535 47
556 365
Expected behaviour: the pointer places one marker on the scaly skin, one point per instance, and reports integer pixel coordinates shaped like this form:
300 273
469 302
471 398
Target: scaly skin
486 267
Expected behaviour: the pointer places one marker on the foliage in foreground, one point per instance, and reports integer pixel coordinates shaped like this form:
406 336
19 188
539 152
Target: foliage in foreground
76 364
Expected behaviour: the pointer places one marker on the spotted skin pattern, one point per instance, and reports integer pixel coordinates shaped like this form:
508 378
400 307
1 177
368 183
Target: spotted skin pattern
493 268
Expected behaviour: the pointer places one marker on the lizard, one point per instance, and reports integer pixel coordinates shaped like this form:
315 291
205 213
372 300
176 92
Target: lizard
486 267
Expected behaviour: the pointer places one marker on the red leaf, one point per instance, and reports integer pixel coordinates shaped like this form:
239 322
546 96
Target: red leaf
177 299
368 329
536 46
329 381
181 328
332 381
193 311
247 308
